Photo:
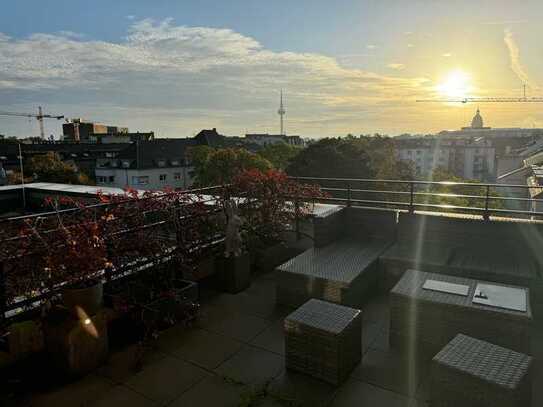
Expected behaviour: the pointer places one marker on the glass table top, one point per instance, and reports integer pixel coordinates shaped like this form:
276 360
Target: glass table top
501 297
445 287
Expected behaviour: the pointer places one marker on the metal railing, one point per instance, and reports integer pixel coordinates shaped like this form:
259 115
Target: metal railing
207 196
485 199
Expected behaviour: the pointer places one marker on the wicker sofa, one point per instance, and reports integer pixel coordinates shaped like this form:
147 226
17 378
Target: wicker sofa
508 252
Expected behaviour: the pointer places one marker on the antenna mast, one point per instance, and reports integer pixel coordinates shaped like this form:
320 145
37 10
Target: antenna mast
281 112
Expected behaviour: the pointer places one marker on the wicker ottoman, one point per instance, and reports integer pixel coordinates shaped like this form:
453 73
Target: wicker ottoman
323 340
470 372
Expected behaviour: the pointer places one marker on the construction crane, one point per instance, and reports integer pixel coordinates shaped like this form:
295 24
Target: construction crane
523 99
39 117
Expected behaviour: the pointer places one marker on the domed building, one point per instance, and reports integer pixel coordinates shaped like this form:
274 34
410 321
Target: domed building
477 121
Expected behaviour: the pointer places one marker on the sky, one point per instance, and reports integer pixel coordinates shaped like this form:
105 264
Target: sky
347 66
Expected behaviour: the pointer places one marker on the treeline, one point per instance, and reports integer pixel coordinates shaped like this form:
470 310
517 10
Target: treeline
363 157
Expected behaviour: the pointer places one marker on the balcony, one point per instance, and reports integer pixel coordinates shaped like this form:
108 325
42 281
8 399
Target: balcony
234 352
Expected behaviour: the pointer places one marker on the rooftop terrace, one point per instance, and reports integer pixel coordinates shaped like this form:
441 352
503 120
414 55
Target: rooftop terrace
236 350
233 354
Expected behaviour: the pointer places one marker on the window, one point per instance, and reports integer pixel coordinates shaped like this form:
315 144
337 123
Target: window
100 178
111 179
177 176
161 163
162 177
142 180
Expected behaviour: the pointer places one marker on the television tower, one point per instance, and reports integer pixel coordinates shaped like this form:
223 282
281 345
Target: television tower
281 112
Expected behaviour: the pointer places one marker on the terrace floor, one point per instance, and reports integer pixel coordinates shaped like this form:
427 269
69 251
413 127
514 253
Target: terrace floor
234 356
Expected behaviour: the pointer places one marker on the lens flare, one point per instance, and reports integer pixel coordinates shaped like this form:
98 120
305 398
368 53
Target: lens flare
457 84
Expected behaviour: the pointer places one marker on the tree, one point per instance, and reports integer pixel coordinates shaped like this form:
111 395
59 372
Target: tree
384 158
198 155
50 168
332 157
476 193
221 166
280 154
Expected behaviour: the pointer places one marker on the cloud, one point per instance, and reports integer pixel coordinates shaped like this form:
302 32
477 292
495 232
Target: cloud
505 22
71 34
446 55
410 45
514 56
371 46
396 66
130 17
175 68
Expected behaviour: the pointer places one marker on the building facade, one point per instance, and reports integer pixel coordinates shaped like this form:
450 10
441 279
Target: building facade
502 139
266 139
79 130
148 165
469 159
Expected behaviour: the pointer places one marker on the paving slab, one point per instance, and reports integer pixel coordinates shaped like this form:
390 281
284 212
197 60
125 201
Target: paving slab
355 393
78 394
205 348
370 331
302 389
392 371
272 338
252 365
212 391
126 362
122 396
166 379
377 310
235 325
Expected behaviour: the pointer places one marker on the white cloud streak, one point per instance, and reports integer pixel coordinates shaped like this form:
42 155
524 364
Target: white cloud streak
396 66
514 56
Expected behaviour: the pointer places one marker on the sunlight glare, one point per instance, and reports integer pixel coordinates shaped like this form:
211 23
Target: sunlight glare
457 84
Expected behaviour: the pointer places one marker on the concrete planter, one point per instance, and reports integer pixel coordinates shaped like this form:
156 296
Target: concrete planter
267 259
84 302
234 273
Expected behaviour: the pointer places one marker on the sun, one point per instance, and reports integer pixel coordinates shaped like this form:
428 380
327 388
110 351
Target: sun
456 84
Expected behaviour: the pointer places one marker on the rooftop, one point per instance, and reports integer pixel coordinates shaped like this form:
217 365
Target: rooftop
233 353
237 348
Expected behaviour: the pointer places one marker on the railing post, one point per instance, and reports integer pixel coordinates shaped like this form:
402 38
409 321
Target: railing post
3 294
348 194
486 214
411 197
108 270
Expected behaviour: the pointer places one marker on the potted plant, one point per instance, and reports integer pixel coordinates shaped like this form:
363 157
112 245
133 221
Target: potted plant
273 207
234 266
78 257
75 256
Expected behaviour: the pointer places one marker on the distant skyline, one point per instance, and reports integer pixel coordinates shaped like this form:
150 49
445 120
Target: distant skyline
350 66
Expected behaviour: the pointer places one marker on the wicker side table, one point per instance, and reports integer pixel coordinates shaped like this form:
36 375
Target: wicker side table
323 340
470 372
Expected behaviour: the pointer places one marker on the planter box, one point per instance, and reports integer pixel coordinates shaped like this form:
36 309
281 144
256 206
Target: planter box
130 325
234 273
267 259
24 339
76 347
205 268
